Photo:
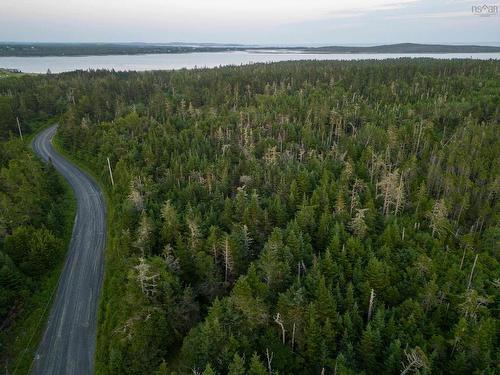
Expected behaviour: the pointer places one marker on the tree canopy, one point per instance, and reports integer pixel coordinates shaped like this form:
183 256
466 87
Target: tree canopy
298 217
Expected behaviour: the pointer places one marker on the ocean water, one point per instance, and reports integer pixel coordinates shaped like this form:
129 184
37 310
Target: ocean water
58 64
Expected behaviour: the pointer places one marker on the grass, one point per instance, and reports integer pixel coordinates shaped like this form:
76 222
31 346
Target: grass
23 336
4 73
111 264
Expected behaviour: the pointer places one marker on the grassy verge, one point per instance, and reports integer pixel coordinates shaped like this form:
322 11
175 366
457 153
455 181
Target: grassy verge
111 258
23 336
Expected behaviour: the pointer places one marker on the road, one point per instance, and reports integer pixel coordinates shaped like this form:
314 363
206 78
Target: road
69 340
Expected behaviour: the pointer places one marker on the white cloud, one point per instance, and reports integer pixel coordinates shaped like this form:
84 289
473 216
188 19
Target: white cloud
243 21
447 15
179 11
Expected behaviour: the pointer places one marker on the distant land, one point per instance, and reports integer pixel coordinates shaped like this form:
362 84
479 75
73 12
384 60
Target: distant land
96 49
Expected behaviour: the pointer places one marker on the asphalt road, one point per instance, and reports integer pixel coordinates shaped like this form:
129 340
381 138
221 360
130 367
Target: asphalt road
68 343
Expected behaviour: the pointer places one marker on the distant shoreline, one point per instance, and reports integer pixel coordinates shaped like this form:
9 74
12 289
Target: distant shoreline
107 49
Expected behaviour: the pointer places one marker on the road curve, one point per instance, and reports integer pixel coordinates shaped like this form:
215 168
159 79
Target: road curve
68 343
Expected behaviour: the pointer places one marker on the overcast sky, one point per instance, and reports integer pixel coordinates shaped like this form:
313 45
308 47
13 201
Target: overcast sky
248 21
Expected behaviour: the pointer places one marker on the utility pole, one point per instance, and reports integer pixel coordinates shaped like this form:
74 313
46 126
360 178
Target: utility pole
111 173
19 128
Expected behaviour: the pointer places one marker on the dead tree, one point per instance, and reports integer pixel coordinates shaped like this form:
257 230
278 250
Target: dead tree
228 258
146 279
144 232
279 321
415 360
472 271
438 217
400 195
389 190
19 128
357 224
269 360
357 187
195 233
110 173
370 306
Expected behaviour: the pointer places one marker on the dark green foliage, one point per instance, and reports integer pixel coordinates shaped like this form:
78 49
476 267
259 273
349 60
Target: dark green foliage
34 250
32 224
293 218
7 120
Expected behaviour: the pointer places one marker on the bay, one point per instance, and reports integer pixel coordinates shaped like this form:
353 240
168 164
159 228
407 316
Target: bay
58 64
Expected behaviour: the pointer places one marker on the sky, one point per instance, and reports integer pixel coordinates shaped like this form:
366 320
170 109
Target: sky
272 22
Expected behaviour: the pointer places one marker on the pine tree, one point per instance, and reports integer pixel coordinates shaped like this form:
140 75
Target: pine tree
144 234
237 366
357 224
209 370
170 222
438 218
256 366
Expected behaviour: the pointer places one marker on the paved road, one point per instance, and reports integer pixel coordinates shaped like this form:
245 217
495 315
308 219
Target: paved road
68 344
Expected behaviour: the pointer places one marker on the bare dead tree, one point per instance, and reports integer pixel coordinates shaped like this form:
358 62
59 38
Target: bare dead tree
110 173
19 128
146 279
400 195
271 156
357 188
144 232
170 260
279 321
370 306
420 127
438 217
463 257
194 233
472 271
472 304
269 360
136 199
228 259
389 190
126 329
357 224
415 359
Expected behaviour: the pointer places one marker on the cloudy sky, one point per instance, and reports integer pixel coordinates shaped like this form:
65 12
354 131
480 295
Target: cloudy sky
248 21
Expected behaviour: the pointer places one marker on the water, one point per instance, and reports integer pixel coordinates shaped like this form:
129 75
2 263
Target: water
58 64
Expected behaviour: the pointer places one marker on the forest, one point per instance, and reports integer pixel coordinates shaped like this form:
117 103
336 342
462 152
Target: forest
98 49
34 210
289 218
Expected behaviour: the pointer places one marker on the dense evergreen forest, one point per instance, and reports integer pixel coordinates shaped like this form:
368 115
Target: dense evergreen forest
84 49
98 49
289 218
33 231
